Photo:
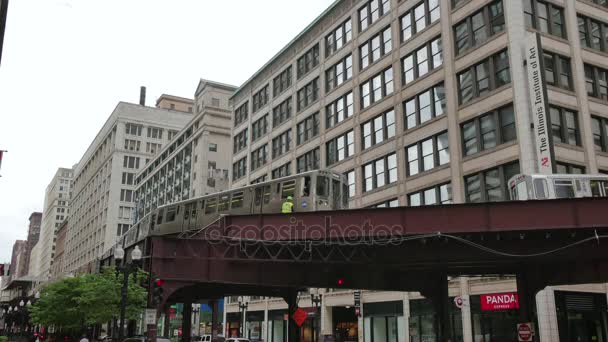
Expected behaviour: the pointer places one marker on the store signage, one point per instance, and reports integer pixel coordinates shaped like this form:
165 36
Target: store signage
537 88
357 301
299 316
499 301
461 301
525 332
150 316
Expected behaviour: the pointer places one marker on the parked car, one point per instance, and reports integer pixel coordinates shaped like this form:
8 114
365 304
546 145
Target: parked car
204 338
237 339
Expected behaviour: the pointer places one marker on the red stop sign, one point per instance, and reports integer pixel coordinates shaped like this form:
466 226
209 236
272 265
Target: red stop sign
524 332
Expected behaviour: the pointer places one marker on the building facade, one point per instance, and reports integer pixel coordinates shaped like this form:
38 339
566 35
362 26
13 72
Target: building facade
55 211
18 266
421 102
103 199
33 235
197 161
57 267
177 103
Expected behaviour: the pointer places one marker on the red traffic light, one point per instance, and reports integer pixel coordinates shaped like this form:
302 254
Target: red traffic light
159 282
340 282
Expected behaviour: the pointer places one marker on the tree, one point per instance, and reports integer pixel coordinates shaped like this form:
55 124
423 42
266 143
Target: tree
72 303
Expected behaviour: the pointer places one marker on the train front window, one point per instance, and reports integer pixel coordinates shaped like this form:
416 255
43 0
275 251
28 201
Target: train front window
522 191
563 188
306 187
540 185
160 216
211 205
171 214
599 188
322 186
237 200
224 203
288 189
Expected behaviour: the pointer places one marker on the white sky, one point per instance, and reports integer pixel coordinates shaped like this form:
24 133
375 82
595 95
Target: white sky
67 63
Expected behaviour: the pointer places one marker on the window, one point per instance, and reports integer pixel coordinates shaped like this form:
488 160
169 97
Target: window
309 161
131 162
239 169
391 203
122 228
481 78
339 110
281 144
259 180
350 178
214 102
565 168
259 128
371 12
490 185
171 134
340 148
378 129
422 61
260 99
428 154
308 94
281 82
133 129
557 70
456 3
564 125
259 157
489 130
308 128
339 73
125 212
380 172
155 133
377 87
596 79
128 178
338 37
281 112
240 141
418 18
599 128
240 114
479 27
424 106
373 49
126 195
132 145
308 61
592 33
439 194
545 17
153 148
212 147
282 171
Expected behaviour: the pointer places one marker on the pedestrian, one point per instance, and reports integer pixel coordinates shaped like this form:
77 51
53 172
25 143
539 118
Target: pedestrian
287 206
84 338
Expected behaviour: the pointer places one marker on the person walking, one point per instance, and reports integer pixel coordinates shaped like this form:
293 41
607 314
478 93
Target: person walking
287 206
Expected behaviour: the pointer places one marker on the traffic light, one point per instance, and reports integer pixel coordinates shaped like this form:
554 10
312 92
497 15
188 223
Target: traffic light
157 291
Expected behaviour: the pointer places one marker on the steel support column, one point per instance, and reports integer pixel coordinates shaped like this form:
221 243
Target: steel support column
293 330
214 320
437 292
187 322
528 285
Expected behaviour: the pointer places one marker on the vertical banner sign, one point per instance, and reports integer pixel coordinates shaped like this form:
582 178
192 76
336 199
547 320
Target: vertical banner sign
538 101
357 302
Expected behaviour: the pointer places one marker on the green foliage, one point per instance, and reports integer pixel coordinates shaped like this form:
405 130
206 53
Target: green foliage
88 299
3 338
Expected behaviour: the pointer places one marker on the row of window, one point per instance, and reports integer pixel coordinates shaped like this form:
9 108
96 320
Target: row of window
477 28
260 99
339 73
308 94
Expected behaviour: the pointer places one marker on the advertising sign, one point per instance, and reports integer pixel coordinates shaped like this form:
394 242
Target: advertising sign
499 301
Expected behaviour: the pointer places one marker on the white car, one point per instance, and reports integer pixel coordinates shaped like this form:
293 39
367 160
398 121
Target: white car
237 339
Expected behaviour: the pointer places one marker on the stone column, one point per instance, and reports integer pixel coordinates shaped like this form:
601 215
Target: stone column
406 318
265 324
467 329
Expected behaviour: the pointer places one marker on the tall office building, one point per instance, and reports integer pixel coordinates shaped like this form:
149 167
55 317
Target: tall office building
33 234
197 161
103 202
18 266
426 101
56 202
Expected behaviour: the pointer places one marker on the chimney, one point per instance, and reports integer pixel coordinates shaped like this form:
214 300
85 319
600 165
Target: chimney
142 95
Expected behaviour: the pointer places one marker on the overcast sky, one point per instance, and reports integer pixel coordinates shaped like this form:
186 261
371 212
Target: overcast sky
67 63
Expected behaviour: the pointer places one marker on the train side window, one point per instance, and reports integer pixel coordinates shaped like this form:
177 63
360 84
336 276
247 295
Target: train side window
187 212
171 212
596 186
563 189
322 186
266 194
522 191
193 211
211 205
237 200
288 189
224 203
344 195
160 216
202 204
540 186
259 192
306 187
605 188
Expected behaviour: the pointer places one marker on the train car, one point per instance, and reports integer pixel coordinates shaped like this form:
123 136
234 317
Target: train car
317 190
532 187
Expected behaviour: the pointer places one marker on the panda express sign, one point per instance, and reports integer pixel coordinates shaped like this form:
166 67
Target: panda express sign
499 301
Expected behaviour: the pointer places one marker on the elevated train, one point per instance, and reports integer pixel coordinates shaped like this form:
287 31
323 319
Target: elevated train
318 190
538 187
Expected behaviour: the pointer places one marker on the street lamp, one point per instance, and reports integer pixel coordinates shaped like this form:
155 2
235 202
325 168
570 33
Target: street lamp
126 268
316 299
243 307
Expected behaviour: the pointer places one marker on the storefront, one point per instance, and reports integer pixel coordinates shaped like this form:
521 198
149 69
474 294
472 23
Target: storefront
254 321
423 323
310 325
346 328
383 321
494 317
233 324
581 316
277 325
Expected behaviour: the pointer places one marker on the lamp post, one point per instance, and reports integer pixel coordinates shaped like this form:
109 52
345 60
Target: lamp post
126 268
316 299
196 316
243 307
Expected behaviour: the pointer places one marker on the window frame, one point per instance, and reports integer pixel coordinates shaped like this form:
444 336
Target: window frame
386 131
430 65
385 172
492 72
259 157
563 124
383 42
489 26
307 157
420 156
496 115
331 110
550 18
482 184
281 144
282 112
557 60
603 134
346 37
332 148
239 141
282 82
383 87
413 22
310 89
432 104
302 128
333 79
437 190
